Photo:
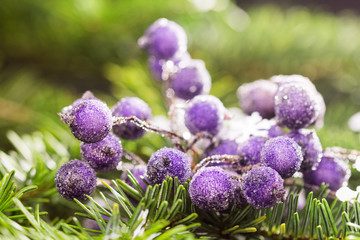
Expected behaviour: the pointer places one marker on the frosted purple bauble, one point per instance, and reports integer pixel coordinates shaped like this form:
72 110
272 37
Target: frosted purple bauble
90 120
249 151
75 179
295 78
138 172
330 171
283 155
190 79
204 113
258 96
263 187
275 131
296 105
127 107
168 162
212 189
310 145
228 147
104 155
164 39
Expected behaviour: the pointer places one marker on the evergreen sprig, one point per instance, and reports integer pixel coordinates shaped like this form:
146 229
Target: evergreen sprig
125 211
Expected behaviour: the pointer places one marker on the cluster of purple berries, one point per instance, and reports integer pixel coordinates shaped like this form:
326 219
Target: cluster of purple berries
233 171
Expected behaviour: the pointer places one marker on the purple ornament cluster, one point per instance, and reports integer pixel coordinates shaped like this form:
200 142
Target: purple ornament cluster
248 169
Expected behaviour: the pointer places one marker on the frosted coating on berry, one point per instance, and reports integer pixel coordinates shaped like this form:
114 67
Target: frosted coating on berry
204 113
295 78
103 155
275 131
329 171
295 106
249 151
138 172
258 96
263 187
283 155
75 179
225 147
212 189
310 146
168 162
164 39
190 80
127 107
90 120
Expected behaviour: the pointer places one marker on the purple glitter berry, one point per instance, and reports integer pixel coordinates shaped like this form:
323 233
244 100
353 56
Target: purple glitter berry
258 96
75 179
310 146
190 80
330 171
275 131
263 187
225 147
249 151
296 105
283 79
212 189
205 113
164 39
127 107
103 155
282 154
90 120
138 172
168 162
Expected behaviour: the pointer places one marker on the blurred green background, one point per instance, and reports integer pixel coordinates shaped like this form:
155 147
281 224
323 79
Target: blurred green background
52 51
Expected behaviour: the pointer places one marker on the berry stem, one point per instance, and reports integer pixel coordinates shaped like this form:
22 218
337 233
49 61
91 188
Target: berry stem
198 137
175 138
350 155
230 162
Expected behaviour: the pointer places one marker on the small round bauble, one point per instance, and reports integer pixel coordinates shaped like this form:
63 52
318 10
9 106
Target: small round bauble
263 187
258 96
212 189
90 120
283 155
329 171
204 113
190 79
310 146
168 162
75 179
296 105
164 39
127 107
249 150
104 155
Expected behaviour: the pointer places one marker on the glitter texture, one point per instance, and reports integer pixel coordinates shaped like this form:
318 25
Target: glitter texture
310 145
168 162
212 189
249 151
263 187
127 107
164 39
283 155
75 179
225 147
205 113
296 105
330 171
90 120
190 80
258 96
103 155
